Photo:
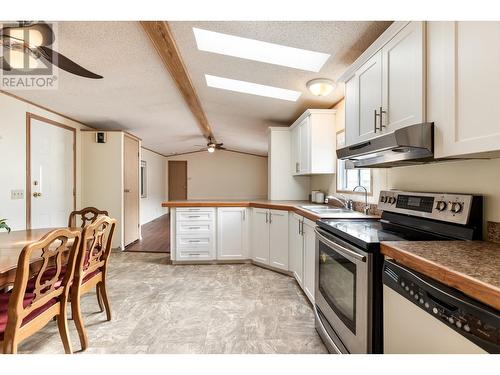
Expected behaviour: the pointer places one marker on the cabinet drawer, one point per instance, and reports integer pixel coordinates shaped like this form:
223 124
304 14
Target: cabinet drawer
195 209
194 241
195 227
195 216
193 254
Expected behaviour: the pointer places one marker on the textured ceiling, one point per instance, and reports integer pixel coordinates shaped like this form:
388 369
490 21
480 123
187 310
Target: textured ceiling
240 120
138 95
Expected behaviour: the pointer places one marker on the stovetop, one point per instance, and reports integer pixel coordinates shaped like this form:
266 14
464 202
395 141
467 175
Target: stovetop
369 233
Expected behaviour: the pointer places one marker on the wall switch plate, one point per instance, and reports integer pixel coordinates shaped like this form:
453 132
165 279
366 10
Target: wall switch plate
17 194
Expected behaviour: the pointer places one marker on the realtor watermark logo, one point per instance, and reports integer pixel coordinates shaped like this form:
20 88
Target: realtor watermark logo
27 56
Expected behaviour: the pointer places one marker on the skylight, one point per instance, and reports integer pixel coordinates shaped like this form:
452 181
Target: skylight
251 49
251 88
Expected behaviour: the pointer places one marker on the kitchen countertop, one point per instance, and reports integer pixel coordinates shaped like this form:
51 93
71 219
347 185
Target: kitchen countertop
293 206
473 267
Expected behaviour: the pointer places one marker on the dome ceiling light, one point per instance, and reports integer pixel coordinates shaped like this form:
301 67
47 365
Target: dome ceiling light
321 86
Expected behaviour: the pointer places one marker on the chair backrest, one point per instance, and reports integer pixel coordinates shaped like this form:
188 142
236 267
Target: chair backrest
51 249
95 247
86 215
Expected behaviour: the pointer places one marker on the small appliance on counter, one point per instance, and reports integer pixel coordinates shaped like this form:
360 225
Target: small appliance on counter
348 290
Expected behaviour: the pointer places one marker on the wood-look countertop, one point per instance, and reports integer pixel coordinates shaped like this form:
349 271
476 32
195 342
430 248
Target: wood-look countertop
293 206
473 267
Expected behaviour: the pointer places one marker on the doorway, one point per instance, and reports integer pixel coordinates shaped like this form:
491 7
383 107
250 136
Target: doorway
50 172
177 180
131 189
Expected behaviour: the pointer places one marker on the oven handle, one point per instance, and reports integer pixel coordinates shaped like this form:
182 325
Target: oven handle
326 335
344 251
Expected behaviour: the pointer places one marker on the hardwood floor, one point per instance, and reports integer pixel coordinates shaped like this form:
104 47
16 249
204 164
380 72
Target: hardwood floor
155 237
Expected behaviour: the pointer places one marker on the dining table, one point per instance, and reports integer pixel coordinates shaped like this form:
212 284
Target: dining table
11 245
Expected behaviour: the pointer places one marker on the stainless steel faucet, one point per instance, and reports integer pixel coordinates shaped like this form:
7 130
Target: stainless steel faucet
367 208
343 200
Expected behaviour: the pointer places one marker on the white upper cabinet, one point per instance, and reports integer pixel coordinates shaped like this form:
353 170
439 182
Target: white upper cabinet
366 93
313 143
403 99
385 86
463 72
232 233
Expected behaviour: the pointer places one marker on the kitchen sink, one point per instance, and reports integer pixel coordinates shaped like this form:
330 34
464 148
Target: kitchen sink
325 210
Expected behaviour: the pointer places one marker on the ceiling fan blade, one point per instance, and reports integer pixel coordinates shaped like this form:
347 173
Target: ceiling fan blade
66 64
4 65
43 28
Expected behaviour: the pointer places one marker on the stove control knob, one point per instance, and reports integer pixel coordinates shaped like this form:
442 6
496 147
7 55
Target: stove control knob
456 207
383 199
440 205
391 200
467 328
435 310
459 324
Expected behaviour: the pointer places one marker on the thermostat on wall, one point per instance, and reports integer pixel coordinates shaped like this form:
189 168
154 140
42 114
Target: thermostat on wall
100 137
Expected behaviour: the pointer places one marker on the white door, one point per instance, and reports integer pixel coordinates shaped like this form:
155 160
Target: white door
295 139
463 75
52 174
232 233
260 235
305 146
278 239
351 111
403 78
295 247
309 259
369 100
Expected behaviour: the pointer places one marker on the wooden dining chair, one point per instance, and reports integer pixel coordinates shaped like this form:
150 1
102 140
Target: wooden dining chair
91 270
86 215
40 296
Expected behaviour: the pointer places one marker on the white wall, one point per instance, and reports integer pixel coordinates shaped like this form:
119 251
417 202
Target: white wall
13 153
156 186
224 175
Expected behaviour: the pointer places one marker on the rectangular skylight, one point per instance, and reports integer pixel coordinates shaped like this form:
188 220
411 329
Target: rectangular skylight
257 50
251 88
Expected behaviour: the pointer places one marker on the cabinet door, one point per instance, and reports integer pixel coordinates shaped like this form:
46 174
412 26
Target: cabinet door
463 75
295 141
260 235
368 80
295 248
309 259
278 243
403 78
305 146
351 111
232 233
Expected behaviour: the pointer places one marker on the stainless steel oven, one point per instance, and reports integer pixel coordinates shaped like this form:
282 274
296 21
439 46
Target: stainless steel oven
343 294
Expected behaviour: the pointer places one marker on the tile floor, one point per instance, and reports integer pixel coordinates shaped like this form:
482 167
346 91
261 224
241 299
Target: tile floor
161 308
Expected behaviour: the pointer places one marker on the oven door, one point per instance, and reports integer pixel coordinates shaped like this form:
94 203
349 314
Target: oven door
343 291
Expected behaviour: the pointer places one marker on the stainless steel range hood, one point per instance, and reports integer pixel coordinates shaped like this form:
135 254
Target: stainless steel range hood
410 145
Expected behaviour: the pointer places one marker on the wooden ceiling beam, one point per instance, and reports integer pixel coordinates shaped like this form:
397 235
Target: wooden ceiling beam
164 43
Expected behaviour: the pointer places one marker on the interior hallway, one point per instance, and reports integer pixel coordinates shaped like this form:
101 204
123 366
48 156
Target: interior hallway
155 237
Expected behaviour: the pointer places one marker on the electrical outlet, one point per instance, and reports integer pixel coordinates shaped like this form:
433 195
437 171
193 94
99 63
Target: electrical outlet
17 194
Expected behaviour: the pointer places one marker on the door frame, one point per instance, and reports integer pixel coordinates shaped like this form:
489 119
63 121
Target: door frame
139 232
168 177
30 116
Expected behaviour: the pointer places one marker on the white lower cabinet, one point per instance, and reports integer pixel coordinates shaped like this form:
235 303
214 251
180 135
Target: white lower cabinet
296 248
260 235
302 253
270 237
194 233
309 258
232 233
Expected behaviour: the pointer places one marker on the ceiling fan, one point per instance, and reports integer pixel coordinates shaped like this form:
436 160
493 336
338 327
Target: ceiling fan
33 39
212 145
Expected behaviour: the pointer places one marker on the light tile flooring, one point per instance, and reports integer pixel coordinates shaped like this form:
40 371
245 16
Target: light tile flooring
161 308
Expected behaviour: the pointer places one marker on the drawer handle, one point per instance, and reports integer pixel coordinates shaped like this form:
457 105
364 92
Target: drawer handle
190 241
194 227
193 216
